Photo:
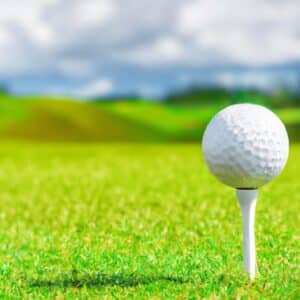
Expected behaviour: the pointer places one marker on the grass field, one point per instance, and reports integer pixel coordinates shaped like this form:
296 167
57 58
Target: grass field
59 120
137 221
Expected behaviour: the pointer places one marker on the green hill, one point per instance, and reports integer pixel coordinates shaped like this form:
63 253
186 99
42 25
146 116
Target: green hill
64 120
59 120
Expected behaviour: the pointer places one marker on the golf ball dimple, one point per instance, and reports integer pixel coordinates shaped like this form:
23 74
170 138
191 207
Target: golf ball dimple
245 145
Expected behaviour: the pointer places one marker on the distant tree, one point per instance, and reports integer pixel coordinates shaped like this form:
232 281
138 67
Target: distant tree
118 97
297 96
251 96
195 95
3 90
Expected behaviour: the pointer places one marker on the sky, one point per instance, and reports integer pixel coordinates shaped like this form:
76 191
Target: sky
91 48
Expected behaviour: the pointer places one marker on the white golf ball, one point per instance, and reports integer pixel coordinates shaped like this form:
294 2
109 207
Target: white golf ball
245 145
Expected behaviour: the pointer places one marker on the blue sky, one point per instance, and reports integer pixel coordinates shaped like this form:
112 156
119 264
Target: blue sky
88 48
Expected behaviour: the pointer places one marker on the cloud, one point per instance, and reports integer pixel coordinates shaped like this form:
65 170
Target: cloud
100 87
79 41
249 32
258 79
75 68
94 12
164 50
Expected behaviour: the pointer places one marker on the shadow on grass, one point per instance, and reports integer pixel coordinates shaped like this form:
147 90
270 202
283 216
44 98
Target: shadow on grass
102 280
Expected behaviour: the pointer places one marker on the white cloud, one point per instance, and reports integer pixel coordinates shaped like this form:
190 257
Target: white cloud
93 38
246 80
4 37
248 32
164 50
95 11
258 79
75 68
100 87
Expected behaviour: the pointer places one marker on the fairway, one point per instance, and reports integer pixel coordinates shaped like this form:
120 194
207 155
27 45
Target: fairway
138 221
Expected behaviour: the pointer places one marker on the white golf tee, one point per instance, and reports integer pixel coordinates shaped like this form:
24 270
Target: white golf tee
247 199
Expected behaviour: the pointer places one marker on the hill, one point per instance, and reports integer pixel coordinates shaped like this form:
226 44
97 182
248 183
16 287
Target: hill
64 120
61 120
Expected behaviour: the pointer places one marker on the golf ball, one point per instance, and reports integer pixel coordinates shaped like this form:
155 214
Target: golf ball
245 145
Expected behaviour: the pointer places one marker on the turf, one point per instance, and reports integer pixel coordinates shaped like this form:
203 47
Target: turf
59 120
137 222
46 119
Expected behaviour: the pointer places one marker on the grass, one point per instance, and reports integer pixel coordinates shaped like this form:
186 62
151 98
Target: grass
186 123
137 222
57 120
46 119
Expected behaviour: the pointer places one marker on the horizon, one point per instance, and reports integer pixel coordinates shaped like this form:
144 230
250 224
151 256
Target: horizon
293 90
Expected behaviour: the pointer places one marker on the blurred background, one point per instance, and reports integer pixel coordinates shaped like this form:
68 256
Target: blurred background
115 70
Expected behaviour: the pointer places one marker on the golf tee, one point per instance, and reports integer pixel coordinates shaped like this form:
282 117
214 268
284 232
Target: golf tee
247 199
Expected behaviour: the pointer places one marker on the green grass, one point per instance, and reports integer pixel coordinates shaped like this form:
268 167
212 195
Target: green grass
57 120
177 122
137 221
46 119
186 123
